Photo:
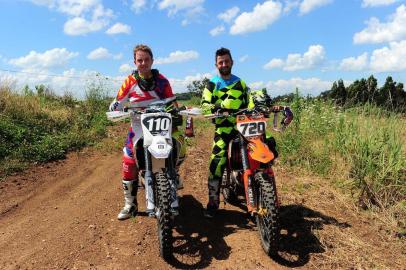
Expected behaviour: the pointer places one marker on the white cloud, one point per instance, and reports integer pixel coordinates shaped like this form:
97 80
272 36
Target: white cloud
308 5
193 14
80 26
229 14
274 63
375 3
174 6
69 7
377 32
243 58
180 85
355 63
312 86
290 4
84 16
125 68
257 85
138 5
310 59
217 30
71 80
56 57
102 53
390 59
76 7
177 57
259 19
119 28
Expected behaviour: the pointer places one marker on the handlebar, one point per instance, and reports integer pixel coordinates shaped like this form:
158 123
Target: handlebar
128 111
287 113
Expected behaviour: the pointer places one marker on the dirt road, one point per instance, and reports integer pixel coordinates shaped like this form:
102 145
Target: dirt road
63 216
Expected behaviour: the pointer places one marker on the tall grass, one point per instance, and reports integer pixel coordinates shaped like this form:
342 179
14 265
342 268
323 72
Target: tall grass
42 127
366 141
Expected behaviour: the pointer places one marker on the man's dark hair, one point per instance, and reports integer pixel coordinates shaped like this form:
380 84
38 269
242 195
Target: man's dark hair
222 51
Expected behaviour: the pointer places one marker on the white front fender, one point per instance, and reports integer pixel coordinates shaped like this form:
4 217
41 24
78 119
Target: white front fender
159 147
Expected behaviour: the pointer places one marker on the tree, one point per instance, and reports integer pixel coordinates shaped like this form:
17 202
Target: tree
27 91
338 92
196 87
372 89
386 93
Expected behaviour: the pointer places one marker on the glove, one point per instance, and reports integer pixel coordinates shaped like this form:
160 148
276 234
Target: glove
115 106
288 116
216 108
261 98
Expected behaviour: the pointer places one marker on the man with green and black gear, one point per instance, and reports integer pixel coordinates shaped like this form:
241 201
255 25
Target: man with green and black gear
228 92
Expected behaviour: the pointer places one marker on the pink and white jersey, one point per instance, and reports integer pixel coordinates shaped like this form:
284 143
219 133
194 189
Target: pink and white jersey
132 92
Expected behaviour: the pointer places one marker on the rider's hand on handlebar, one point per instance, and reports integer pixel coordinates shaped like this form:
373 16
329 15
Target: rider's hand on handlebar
288 116
115 106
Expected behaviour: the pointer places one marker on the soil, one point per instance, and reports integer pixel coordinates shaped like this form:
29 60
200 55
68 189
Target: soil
62 215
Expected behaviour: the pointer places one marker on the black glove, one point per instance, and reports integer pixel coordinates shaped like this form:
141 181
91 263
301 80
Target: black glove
216 108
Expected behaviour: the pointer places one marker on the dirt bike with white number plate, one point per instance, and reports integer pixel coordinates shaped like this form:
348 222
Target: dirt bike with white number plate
249 171
157 153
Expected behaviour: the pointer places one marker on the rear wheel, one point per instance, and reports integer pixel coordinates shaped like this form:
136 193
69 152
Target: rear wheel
163 195
268 212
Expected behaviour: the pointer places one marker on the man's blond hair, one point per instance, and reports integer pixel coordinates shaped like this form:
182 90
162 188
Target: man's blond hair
144 48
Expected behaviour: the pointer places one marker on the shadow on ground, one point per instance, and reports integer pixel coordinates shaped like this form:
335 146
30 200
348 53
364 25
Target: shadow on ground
297 239
198 240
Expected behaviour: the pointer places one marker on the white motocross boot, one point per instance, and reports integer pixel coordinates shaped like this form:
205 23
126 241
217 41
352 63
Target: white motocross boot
130 200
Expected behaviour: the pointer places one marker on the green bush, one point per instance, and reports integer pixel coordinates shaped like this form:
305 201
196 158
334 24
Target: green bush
40 127
366 139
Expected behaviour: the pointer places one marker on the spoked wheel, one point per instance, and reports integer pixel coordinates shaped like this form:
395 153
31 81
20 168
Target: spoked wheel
163 196
267 217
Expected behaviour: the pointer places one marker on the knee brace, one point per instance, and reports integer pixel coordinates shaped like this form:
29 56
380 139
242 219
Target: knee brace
129 169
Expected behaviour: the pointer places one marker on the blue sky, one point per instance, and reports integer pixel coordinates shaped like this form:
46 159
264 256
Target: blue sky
275 44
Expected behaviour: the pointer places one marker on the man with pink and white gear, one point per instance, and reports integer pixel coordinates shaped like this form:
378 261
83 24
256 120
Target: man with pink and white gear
140 89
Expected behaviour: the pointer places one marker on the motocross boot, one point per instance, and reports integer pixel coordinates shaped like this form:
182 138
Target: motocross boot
211 209
214 198
130 200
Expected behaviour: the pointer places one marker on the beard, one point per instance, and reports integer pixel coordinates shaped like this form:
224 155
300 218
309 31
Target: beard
225 71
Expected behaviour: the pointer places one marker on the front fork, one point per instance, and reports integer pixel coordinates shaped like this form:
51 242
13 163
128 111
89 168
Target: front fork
149 181
150 190
247 177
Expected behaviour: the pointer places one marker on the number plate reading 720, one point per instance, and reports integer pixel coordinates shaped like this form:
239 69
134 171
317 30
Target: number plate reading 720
251 128
157 124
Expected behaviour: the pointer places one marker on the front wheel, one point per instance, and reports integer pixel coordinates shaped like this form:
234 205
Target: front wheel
163 194
268 212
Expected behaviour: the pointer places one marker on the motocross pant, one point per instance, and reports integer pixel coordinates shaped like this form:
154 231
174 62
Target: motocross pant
218 159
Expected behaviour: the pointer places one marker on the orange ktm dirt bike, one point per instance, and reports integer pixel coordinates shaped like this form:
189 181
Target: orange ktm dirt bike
249 171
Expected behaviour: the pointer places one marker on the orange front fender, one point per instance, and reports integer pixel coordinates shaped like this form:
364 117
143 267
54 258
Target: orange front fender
259 151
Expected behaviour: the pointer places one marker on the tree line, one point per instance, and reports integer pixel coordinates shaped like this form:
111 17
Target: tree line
390 96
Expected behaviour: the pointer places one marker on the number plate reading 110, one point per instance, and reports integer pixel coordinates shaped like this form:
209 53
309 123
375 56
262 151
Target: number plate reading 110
157 124
251 128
